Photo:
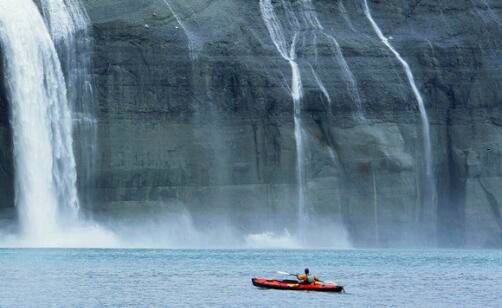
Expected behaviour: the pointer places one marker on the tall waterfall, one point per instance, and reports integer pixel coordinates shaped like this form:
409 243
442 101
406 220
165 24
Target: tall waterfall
68 25
41 119
287 50
430 187
45 180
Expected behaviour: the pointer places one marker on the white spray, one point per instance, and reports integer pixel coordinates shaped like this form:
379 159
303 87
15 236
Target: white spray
41 120
45 178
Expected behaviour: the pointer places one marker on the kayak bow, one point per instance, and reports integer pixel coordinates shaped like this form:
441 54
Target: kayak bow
295 285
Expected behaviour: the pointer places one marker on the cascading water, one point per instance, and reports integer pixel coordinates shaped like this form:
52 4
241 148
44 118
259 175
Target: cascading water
345 14
288 53
68 25
313 20
192 39
376 212
320 84
286 46
430 187
41 120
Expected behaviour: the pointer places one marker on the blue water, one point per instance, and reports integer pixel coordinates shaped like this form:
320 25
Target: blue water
95 278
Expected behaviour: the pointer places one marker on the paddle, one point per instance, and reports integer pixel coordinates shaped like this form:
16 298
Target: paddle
285 273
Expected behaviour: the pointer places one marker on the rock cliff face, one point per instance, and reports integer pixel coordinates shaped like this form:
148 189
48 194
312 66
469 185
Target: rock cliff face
195 109
6 166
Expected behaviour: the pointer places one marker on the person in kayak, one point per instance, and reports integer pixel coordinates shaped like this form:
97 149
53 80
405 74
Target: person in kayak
307 278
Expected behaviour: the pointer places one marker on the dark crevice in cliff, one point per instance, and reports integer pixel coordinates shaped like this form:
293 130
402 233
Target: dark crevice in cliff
6 144
493 204
451 208
4 109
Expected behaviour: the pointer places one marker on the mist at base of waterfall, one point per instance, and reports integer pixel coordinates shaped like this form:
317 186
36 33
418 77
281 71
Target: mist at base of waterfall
174 227
81 235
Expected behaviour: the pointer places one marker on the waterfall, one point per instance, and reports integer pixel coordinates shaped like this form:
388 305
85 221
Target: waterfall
68 25
41 120
352 87
320 84
288 53
192 39
349 76
430 187
376 212
345 14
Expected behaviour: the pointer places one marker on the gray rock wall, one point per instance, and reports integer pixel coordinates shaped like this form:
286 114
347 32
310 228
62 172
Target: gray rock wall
200 114
6 166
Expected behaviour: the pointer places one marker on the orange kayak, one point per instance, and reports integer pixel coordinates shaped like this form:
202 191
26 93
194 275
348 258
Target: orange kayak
295 285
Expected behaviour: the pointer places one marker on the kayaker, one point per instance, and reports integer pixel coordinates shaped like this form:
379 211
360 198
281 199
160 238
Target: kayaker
307 278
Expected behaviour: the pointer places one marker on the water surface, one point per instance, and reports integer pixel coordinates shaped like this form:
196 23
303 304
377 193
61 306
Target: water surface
86 277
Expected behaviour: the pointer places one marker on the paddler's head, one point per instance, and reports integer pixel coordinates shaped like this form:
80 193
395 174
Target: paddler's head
307 271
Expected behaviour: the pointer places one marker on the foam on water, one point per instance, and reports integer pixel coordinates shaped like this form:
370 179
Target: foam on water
271 240
81 236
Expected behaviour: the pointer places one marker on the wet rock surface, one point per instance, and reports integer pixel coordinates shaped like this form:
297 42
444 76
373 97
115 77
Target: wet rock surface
194 108
6 165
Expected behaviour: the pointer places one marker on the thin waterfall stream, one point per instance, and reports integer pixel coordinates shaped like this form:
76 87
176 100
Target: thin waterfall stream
313 20
193 47
430 187
306 19
289 54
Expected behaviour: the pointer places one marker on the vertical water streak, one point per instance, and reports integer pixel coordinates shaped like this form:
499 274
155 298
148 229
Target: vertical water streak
276 33
352 87
192 40
489 9
375 206
68 24
430 187
291 18
316 52
45 178
320 84
343 10
311 15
